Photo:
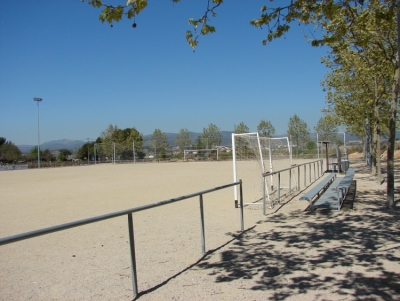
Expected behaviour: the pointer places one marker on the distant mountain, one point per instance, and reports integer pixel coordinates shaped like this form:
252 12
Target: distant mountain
72 145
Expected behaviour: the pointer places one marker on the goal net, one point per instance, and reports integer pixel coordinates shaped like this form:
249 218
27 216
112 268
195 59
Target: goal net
201 155
113 153
254 155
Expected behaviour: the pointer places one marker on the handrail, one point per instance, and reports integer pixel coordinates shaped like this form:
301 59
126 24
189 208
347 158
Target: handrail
294 166
278 172
44 231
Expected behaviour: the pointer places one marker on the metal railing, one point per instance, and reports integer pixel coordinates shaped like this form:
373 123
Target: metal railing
317 172
129 212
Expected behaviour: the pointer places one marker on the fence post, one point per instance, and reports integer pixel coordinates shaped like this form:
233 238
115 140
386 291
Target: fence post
133 255
203 239
305 176
290 181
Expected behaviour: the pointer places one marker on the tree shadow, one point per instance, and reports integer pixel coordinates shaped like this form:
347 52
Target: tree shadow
352 250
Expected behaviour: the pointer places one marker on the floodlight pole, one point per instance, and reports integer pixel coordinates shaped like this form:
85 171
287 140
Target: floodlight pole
38 99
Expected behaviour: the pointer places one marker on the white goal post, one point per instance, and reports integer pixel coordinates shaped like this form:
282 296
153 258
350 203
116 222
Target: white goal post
114 152
254 155
201 154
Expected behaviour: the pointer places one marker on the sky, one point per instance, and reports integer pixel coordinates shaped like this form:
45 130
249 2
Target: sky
90 75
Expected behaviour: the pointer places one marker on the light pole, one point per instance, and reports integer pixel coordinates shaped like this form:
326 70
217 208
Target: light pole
37 99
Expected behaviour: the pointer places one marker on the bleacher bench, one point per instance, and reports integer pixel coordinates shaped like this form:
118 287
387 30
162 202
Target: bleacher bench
334 195
318 189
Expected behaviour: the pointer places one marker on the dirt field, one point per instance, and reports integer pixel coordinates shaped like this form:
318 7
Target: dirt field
290 254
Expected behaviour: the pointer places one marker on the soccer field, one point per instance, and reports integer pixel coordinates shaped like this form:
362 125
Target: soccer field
94 260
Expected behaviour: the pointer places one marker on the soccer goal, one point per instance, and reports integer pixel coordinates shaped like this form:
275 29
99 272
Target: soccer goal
113 153
254 155
200 155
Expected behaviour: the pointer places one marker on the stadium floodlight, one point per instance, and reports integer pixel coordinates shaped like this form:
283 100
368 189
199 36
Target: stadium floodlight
37 99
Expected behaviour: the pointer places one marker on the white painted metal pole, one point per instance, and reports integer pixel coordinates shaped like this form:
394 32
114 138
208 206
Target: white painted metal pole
234 166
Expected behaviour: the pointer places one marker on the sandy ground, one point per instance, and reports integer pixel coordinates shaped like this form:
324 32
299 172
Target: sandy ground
289 254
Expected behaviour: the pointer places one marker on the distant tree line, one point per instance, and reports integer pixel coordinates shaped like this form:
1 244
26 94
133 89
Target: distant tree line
128 143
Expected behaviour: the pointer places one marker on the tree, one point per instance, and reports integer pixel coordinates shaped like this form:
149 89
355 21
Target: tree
183 139
298 131
212 134
265 128
124 141
85 150
47 155
158 142
350 24
9 152
201 142
326 129
107 137
33 154
240 128
115 13
63 154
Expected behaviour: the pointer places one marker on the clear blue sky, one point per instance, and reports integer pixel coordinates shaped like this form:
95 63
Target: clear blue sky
91 75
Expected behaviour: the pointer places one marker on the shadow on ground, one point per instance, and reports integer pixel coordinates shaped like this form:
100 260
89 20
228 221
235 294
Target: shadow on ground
357 252
289 259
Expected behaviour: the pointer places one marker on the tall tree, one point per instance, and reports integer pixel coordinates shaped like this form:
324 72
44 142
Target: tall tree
360 25
107 136
240 128
298 132
213 135
159 143
265 128
183 139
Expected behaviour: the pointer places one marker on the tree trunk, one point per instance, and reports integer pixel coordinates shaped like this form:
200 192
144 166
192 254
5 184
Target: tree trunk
391 144
374 149
392 124
377 136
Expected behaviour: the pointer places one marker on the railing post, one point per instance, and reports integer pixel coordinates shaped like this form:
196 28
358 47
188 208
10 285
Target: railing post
305 176
241 206
279 187
309 168
264 197
133 255
298 178
315 177
203 239
290 181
